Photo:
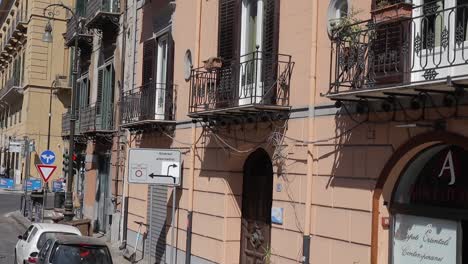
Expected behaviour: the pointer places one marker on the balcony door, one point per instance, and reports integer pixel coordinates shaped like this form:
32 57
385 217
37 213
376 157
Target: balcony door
161 77
258 34
251 46
440 39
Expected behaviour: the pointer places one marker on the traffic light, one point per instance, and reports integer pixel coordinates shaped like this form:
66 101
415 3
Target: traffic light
66 163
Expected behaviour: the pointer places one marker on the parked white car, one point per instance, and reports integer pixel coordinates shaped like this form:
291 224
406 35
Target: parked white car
36 235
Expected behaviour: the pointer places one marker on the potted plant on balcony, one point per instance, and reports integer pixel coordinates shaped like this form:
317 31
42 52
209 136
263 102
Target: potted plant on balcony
387 11
347 32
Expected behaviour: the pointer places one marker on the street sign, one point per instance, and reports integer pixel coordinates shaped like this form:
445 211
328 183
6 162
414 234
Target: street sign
45 171
154 166
47 157
15 146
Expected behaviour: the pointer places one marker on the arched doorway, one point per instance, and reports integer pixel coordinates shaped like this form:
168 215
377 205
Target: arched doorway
257 192
429 208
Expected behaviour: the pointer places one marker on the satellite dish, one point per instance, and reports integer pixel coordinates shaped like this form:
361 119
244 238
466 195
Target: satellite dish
188 65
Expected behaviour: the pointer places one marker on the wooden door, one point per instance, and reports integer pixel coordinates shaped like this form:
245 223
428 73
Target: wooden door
256 208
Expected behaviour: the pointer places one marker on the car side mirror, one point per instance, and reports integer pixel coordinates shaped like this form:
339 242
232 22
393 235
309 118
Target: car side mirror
20 237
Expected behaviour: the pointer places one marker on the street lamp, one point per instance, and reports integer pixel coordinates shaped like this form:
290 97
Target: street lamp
68 214
47 37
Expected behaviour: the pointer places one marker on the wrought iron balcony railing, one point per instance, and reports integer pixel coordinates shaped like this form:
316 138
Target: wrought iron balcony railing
257 79
66 124
102 12
427 46
149 103
84 38
10 88
95 118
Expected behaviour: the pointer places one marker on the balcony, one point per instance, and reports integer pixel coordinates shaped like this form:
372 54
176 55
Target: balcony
66 125
11 89
20 24
95 119
425 51
256 83
85 38
103 14
148 106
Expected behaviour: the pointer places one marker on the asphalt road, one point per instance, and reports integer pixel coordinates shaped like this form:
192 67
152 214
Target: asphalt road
9 229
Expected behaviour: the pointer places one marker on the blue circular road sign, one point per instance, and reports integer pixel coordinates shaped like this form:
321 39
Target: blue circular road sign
47 157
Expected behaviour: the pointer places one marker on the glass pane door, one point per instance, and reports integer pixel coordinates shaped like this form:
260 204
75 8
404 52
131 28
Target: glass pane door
161 77
250 50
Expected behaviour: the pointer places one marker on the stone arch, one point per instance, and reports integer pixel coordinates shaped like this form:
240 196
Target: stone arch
393 169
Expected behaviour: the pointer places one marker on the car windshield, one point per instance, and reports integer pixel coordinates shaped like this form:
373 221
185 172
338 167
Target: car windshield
49 235
80 254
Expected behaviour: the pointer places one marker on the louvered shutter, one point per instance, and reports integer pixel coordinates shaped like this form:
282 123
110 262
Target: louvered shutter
270 48
229 13
99 90
148 61
168 104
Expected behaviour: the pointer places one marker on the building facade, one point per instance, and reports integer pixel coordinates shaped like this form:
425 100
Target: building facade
32 82
97 89
314 132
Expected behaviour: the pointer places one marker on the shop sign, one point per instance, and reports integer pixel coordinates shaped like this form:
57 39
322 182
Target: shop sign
441 181
425 240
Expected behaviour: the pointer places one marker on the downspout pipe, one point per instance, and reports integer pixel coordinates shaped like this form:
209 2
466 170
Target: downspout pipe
119 129
311 135
188 244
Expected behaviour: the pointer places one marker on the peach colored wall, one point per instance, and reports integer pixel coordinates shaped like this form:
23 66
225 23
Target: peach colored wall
346 167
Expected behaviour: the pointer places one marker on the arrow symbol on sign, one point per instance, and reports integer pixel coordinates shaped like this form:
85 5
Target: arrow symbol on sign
48 157
152 175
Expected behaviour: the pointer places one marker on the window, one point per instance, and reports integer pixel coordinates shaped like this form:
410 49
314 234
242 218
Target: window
462 20
33 233
27 232
162 64
49 235
336 11
432 24
74 254
43 250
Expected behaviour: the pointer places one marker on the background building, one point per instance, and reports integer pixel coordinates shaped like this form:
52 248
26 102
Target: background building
29 70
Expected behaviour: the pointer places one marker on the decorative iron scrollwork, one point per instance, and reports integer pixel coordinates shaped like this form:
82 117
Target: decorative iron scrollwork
459 35
445 38
430 74
256 238
430 40
417 43
431 8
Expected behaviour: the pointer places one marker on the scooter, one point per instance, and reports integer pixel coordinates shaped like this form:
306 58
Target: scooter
131 256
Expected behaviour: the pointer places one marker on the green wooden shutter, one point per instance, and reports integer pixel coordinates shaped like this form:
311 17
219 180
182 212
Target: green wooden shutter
229 12
270 48
148 61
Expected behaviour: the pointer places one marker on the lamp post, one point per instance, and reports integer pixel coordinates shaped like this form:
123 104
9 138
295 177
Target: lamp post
47 37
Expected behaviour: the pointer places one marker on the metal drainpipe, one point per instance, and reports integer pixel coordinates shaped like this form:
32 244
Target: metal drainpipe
126 189
311 135
119 129
188 245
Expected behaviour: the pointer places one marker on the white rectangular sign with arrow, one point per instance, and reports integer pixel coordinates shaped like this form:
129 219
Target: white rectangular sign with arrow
154 166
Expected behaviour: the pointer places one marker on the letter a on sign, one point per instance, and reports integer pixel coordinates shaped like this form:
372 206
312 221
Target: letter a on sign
448 165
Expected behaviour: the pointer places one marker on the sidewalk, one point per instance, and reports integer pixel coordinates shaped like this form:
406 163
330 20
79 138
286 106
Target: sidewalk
117 257
16 189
